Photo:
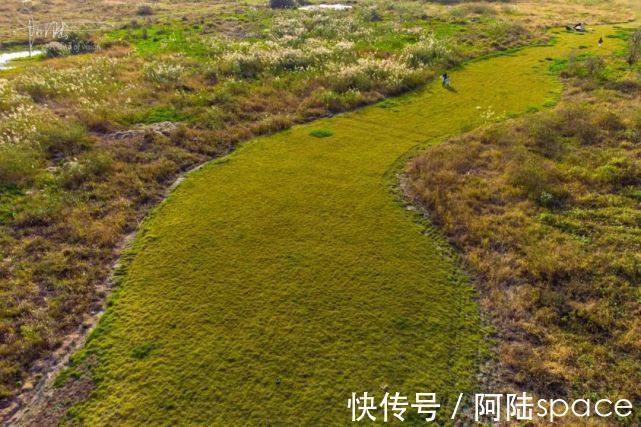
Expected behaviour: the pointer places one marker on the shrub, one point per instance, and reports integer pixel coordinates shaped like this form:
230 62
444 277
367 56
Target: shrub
497 135
97 119
55 49
79 43
250 60
60 141
480 9
595 67
408 11
336 102
19 165
532 177
576 121
389 75
144 10
634 49
371 14
99 164
619 171
572 118
610 121
429 51
96 79
503 30
547 200
544 137
572 68
163 73
242 65
588 135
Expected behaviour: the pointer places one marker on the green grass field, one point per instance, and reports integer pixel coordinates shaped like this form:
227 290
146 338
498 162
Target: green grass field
275 281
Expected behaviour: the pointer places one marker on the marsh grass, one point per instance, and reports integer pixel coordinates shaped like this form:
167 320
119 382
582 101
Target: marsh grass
542 212
70 191
288 262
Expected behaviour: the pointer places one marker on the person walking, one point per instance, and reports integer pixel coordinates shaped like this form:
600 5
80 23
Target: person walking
445 79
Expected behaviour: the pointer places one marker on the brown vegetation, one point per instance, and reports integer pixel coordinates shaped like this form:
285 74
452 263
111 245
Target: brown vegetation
546 213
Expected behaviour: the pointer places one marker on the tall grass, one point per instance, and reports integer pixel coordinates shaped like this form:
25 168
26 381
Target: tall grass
543 212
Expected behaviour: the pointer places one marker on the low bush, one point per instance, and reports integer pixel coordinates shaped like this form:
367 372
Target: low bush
595 67
55 49
371 14
63 141
144 10
163 73
544 136
430 52
19 165
531 175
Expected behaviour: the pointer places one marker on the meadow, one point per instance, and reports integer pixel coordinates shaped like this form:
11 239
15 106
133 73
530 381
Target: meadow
300 274
72 189
86 153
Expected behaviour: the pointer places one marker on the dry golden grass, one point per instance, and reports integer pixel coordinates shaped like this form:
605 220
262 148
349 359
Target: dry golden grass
544 13
93 15
98 15
546 213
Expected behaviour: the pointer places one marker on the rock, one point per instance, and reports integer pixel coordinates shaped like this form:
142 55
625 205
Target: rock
125 134
163 128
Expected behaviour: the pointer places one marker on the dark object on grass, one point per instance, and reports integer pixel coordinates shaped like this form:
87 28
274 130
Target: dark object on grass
144 10
445 80
282 4
56 49
579 27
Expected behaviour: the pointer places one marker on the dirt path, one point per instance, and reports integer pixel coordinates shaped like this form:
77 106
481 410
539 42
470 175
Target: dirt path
274 282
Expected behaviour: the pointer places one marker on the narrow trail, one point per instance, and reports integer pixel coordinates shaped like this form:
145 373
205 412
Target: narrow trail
274 282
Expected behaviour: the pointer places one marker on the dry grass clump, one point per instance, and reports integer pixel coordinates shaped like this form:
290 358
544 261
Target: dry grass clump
535 12
546 213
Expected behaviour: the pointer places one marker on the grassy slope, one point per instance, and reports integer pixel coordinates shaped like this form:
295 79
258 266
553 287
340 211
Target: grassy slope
290 259
546 211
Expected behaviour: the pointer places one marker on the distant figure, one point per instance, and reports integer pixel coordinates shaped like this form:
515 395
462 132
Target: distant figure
600 41
445 79
579 27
